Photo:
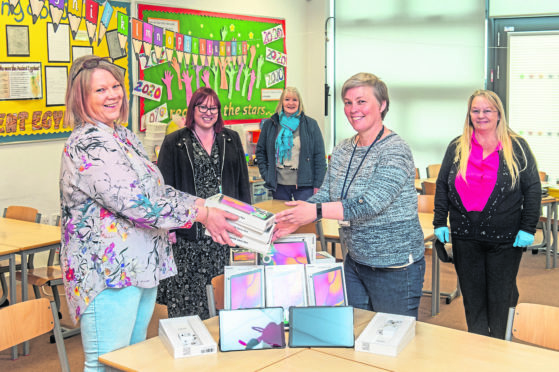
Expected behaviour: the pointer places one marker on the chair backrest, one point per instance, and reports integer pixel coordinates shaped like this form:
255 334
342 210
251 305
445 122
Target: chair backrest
416 173
425 203
428 187
26 320
543 176
21 213
218 289
433 170
535 324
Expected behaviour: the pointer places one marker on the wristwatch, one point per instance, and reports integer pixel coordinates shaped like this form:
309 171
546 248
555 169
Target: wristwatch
318 211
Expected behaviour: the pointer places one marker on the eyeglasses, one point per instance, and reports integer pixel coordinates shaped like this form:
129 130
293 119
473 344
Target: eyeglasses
485 112
203 109
90 64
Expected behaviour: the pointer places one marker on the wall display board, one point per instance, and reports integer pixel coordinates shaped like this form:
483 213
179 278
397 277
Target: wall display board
42 38
242 58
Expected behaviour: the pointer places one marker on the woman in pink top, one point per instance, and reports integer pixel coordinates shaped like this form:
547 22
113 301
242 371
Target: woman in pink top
489 189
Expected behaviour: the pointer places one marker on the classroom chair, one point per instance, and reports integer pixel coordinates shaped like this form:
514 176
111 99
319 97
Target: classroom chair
48 276
535 324
433 170
216 294
21 213
26 320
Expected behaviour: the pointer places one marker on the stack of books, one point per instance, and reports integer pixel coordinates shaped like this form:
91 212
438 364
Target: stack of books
255 224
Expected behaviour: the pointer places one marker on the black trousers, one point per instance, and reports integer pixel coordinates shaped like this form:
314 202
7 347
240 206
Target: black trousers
487 274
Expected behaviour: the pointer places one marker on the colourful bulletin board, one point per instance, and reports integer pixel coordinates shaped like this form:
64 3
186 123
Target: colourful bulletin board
242 58
39 39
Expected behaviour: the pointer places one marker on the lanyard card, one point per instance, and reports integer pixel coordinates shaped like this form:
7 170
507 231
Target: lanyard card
251 329
321 326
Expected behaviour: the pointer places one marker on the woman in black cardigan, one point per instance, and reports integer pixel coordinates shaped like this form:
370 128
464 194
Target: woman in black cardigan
203 159
489 183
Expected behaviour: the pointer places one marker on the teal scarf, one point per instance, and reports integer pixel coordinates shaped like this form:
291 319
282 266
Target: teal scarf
284 141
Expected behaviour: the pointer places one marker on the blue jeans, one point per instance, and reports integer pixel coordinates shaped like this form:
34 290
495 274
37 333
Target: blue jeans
292 192
114 319
387 290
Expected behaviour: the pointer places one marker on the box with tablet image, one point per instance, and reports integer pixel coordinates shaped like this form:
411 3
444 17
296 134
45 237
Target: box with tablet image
255 224
186 336
326 284
244 287
291 249
285 287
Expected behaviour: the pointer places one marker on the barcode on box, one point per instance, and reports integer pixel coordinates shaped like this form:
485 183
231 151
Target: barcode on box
208 350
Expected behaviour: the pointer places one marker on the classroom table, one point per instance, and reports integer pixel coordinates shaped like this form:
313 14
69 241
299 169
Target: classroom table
549 242
331 233
419 181
25 238
433 348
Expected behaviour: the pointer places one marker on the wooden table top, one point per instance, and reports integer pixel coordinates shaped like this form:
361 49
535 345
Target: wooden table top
27 235
434 348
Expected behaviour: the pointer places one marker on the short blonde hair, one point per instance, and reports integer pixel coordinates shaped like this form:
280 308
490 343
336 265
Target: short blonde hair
296 93
79 87
365 79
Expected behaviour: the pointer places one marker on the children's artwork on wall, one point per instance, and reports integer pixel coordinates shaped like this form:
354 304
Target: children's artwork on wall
17 41
242 58
38 54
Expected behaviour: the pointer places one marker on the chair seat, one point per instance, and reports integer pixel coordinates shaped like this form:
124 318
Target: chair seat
42 275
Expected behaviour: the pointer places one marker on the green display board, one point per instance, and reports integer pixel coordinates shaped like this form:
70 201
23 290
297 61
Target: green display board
242 58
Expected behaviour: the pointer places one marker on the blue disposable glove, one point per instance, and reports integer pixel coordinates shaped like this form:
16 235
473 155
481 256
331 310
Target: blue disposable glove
442 234
523 239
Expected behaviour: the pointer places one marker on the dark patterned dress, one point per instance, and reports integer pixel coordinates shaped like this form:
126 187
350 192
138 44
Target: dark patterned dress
197 261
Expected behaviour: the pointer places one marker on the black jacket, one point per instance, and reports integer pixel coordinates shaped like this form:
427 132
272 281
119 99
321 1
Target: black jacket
507 210
312 159
175 162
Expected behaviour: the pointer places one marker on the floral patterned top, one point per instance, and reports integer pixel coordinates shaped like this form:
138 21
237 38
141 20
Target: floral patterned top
116 213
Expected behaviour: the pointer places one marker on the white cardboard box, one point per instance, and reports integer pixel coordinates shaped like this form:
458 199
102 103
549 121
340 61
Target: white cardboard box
244 287
324 257
386 334
326 275
186 336
249 216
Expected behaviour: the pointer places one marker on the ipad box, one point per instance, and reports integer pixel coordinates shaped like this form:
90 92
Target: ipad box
244 287
324 257
326 284
242 257
186 336
285 287
249 216
386 334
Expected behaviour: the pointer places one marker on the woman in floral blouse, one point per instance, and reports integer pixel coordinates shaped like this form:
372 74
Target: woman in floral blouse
116 213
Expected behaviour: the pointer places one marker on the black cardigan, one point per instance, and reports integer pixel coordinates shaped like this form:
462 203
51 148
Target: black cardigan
175 163
507 210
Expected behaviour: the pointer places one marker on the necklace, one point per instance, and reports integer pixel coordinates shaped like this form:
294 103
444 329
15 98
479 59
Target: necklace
205 146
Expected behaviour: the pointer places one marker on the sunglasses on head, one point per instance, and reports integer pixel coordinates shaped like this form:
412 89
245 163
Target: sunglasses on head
90 64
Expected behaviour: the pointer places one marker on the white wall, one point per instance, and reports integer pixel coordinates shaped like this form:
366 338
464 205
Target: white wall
29 171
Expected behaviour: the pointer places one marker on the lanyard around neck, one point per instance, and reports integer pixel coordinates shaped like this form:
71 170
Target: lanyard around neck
344 190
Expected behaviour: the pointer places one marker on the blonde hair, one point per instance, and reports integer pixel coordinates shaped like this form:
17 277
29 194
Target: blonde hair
365 79
504 134
79 87
285 92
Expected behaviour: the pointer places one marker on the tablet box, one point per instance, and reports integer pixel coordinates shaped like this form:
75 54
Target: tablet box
186 336
255 241
326 284
309 239
242 257
386 334
244 287
285 287
324 257
249 216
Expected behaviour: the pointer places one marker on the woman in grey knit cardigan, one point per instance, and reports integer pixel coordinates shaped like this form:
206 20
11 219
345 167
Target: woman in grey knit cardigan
369 188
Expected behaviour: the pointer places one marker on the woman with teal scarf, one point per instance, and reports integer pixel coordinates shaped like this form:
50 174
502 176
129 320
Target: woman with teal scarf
290 150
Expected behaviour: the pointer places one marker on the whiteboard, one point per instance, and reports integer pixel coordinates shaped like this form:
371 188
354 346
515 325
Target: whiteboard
533 94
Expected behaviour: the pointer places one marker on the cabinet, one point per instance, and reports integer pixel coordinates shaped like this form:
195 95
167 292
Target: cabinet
258 192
